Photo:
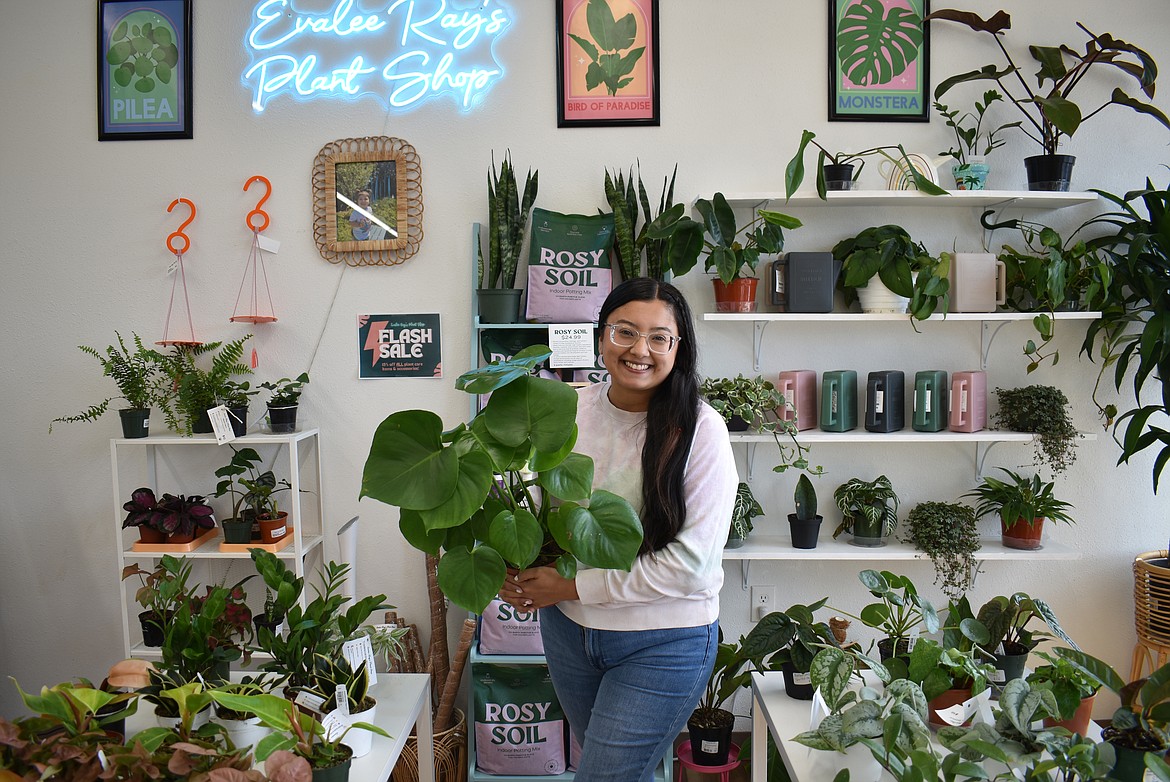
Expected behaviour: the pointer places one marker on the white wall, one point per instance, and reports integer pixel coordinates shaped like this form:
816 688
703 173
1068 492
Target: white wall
83 225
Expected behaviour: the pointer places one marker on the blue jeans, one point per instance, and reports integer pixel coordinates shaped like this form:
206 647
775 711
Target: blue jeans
627 694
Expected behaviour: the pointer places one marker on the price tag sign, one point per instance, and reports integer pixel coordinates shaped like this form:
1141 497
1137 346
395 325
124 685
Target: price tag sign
359 651
572 345
309 701
221 424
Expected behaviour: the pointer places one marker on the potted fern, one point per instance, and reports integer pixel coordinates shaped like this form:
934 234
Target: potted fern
499 298
140 380
200 388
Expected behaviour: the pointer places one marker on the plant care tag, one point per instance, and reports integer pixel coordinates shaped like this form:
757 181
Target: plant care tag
309 701
333 726
221 424
708 747
911 640
102 759
820 710
359 651
267 244
960 712
341 701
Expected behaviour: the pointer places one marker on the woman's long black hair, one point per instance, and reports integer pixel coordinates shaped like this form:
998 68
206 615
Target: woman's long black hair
671 418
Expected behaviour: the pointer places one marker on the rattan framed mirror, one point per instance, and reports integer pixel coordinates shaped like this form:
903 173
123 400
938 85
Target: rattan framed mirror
367 201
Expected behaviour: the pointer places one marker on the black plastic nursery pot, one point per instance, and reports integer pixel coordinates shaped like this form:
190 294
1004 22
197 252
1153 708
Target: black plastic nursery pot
152 629
336 773
1049 172
236 531
499 305
797 684
838 176
711 745
135 423
1010 664
283 419
239 418
202 424
804 531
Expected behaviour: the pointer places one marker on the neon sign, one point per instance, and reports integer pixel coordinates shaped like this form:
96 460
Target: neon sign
401 51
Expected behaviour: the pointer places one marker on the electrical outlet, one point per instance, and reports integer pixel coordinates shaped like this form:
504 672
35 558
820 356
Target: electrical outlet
763 601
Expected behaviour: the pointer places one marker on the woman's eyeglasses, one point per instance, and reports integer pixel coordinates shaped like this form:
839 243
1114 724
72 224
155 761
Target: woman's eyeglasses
626 337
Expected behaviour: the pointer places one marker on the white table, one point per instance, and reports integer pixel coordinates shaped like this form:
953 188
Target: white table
784 717
404 700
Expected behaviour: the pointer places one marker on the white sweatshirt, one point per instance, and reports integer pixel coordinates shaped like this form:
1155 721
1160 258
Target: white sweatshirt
678 585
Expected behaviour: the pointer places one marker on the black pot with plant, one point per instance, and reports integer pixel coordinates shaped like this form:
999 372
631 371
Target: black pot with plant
235 397
947 532
710 724
745 509
1008 637
839 170
498 296
1043 411
787 641
138 373
1048 109
899 612
869 510
805 523
283 402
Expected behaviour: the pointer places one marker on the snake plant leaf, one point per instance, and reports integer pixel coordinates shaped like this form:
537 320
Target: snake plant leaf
411 525
471 577
408 465
532 408
571 479
471 486
607 534
517 536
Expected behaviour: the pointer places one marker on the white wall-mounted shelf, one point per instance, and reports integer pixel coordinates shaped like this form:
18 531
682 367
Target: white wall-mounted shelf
954 199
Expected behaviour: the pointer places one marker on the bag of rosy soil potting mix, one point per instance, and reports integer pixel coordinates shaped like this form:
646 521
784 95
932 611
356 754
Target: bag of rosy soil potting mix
569 271
505 630
519 726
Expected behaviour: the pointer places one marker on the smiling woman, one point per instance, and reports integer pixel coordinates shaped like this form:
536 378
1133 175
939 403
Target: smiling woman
367 201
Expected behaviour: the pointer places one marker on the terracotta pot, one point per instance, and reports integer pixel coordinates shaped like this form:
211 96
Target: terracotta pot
1022 534
739 295
1079 722
181 537
151 535
272 530
945 701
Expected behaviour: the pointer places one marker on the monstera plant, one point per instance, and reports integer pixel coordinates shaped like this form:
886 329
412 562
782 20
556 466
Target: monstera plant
483 492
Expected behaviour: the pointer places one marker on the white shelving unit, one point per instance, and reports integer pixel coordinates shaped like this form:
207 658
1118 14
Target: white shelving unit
779 547
305 503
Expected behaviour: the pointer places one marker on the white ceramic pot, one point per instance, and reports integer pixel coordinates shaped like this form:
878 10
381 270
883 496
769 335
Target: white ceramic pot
876 297
245 734
359 739
198 721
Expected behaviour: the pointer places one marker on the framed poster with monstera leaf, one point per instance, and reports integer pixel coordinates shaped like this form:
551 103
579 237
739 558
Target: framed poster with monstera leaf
879 60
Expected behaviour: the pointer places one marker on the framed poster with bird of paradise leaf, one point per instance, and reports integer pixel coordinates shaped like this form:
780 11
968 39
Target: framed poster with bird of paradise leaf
607 62
879 60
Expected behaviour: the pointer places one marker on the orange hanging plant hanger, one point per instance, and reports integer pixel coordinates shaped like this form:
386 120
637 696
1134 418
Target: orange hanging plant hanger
180 281
258 305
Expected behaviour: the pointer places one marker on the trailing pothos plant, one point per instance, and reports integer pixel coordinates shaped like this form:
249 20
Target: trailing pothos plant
484 491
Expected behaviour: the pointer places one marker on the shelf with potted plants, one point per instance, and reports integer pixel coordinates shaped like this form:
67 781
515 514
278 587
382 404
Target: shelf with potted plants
182 462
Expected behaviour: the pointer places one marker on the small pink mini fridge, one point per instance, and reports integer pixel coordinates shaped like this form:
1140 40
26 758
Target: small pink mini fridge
968 401
799 387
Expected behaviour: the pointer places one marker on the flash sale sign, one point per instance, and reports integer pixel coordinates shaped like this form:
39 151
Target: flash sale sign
399 346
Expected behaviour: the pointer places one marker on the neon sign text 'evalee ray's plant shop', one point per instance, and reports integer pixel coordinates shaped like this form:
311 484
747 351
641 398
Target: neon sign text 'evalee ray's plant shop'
402 52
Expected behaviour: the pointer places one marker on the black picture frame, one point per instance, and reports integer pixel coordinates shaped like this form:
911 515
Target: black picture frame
851 102
578 106
144 87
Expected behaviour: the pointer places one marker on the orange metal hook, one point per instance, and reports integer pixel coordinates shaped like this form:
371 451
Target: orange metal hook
258 210
178 234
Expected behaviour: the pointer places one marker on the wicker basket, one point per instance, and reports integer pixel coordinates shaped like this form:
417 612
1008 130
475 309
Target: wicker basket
1151 598
450 755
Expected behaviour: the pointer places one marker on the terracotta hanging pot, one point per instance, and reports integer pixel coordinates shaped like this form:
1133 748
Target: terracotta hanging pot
739 295
1022 533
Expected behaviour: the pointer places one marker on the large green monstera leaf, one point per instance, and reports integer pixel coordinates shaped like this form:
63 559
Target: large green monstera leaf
875 44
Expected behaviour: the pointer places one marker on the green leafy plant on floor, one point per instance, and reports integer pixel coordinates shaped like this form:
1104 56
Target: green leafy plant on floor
611 53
